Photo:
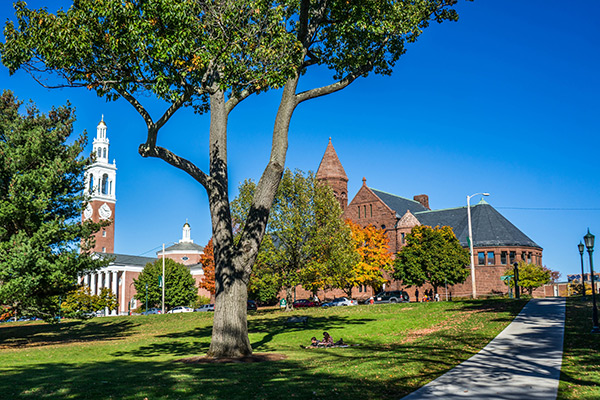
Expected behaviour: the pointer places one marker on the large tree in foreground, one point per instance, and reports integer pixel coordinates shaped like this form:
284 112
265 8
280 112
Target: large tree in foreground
41 200
432 255
212 55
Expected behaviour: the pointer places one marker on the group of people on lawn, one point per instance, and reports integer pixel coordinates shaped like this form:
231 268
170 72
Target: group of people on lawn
326 342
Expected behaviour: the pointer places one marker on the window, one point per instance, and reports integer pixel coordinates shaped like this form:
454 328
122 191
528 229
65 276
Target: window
365 210
104 249
105 184
503 258
358 211
490 258
529 259
403 238
99 152
91 183
523 256
512 257
382 226
104 152
185 258
103 233
481 258
371 208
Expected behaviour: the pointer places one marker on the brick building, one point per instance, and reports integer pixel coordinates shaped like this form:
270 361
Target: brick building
497 242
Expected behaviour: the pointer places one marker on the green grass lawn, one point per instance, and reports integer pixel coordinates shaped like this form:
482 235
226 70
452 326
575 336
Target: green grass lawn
401 347
580 373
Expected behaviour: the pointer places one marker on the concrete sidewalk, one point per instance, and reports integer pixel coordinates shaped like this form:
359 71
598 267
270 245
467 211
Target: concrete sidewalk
522 362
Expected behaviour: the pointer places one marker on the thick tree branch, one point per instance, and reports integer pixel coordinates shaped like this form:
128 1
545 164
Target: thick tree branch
179 162
334 87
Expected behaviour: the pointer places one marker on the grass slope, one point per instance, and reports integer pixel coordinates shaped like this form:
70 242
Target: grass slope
401 347
580 373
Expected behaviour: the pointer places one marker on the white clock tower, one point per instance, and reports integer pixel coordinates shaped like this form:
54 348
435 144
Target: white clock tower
100 180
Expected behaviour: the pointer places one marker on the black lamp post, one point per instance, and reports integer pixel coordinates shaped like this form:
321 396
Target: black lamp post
589 244
581 248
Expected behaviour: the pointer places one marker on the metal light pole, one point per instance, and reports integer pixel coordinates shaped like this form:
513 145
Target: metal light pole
471 241
146 299
581 247
163 279
589 244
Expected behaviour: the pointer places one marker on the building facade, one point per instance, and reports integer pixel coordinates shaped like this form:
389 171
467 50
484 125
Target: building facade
497 243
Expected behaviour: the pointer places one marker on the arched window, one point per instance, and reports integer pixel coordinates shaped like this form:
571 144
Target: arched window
91 184
105 184
104 153
99 152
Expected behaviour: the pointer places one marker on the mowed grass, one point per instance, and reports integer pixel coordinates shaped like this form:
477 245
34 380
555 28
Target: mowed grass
580 373
400 347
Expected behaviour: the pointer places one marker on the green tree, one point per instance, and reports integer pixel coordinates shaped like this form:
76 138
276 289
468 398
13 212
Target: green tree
180 286
432 255
212 55
531 276
80 303
41 200
306 238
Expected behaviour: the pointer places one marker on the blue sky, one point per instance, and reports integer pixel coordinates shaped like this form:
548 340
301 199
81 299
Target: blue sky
504 101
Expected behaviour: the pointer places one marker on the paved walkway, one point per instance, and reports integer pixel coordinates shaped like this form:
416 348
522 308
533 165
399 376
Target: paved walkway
522 362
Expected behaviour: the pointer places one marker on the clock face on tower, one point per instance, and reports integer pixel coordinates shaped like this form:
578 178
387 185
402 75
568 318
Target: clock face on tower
87 213
104 211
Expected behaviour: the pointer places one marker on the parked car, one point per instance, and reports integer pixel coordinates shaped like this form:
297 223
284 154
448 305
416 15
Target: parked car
252 306
180 309
152 310
205 308
341 301
392 296
301 303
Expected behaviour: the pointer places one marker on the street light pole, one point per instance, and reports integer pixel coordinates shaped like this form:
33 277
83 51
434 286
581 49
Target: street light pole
471 241
589 244
163 279
580 247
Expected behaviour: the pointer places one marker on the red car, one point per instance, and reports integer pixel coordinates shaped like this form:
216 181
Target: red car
305 303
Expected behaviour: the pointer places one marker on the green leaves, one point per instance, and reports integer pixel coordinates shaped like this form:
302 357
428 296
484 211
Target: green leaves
41 185
180 286
432 255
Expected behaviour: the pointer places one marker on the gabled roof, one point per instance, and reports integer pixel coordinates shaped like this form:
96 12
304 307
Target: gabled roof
399 204
330 166
490 228
125 259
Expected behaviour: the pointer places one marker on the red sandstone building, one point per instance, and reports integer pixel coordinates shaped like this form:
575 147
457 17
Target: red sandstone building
497 242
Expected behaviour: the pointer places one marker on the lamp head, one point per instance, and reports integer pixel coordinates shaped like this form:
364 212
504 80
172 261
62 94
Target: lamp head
485 194
589 240
581 247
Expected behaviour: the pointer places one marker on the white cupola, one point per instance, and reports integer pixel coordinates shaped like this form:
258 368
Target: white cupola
101 175
186 237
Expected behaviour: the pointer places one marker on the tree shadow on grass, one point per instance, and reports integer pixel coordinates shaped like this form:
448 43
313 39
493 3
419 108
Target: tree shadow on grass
42 334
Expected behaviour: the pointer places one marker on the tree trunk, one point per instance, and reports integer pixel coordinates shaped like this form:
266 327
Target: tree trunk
233 264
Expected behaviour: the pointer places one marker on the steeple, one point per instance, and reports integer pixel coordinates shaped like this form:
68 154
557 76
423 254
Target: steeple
332 173
100 184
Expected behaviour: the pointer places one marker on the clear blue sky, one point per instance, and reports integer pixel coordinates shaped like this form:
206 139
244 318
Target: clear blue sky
505 101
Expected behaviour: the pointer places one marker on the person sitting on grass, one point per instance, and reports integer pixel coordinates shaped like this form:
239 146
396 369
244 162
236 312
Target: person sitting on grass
327 340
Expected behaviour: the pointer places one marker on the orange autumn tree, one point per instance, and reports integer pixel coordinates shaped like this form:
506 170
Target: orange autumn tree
372 246
208 266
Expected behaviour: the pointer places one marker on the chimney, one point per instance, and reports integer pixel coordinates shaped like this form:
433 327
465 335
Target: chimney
423 199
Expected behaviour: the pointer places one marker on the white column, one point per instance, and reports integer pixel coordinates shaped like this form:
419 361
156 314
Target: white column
93 284
123 303
114 290
86 279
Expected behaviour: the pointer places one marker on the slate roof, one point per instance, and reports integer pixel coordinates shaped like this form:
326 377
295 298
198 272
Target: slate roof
184 246
490 228
399 204
125 259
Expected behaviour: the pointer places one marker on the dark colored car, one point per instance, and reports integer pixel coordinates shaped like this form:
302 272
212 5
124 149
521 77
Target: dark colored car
252 305
392 296
302 303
